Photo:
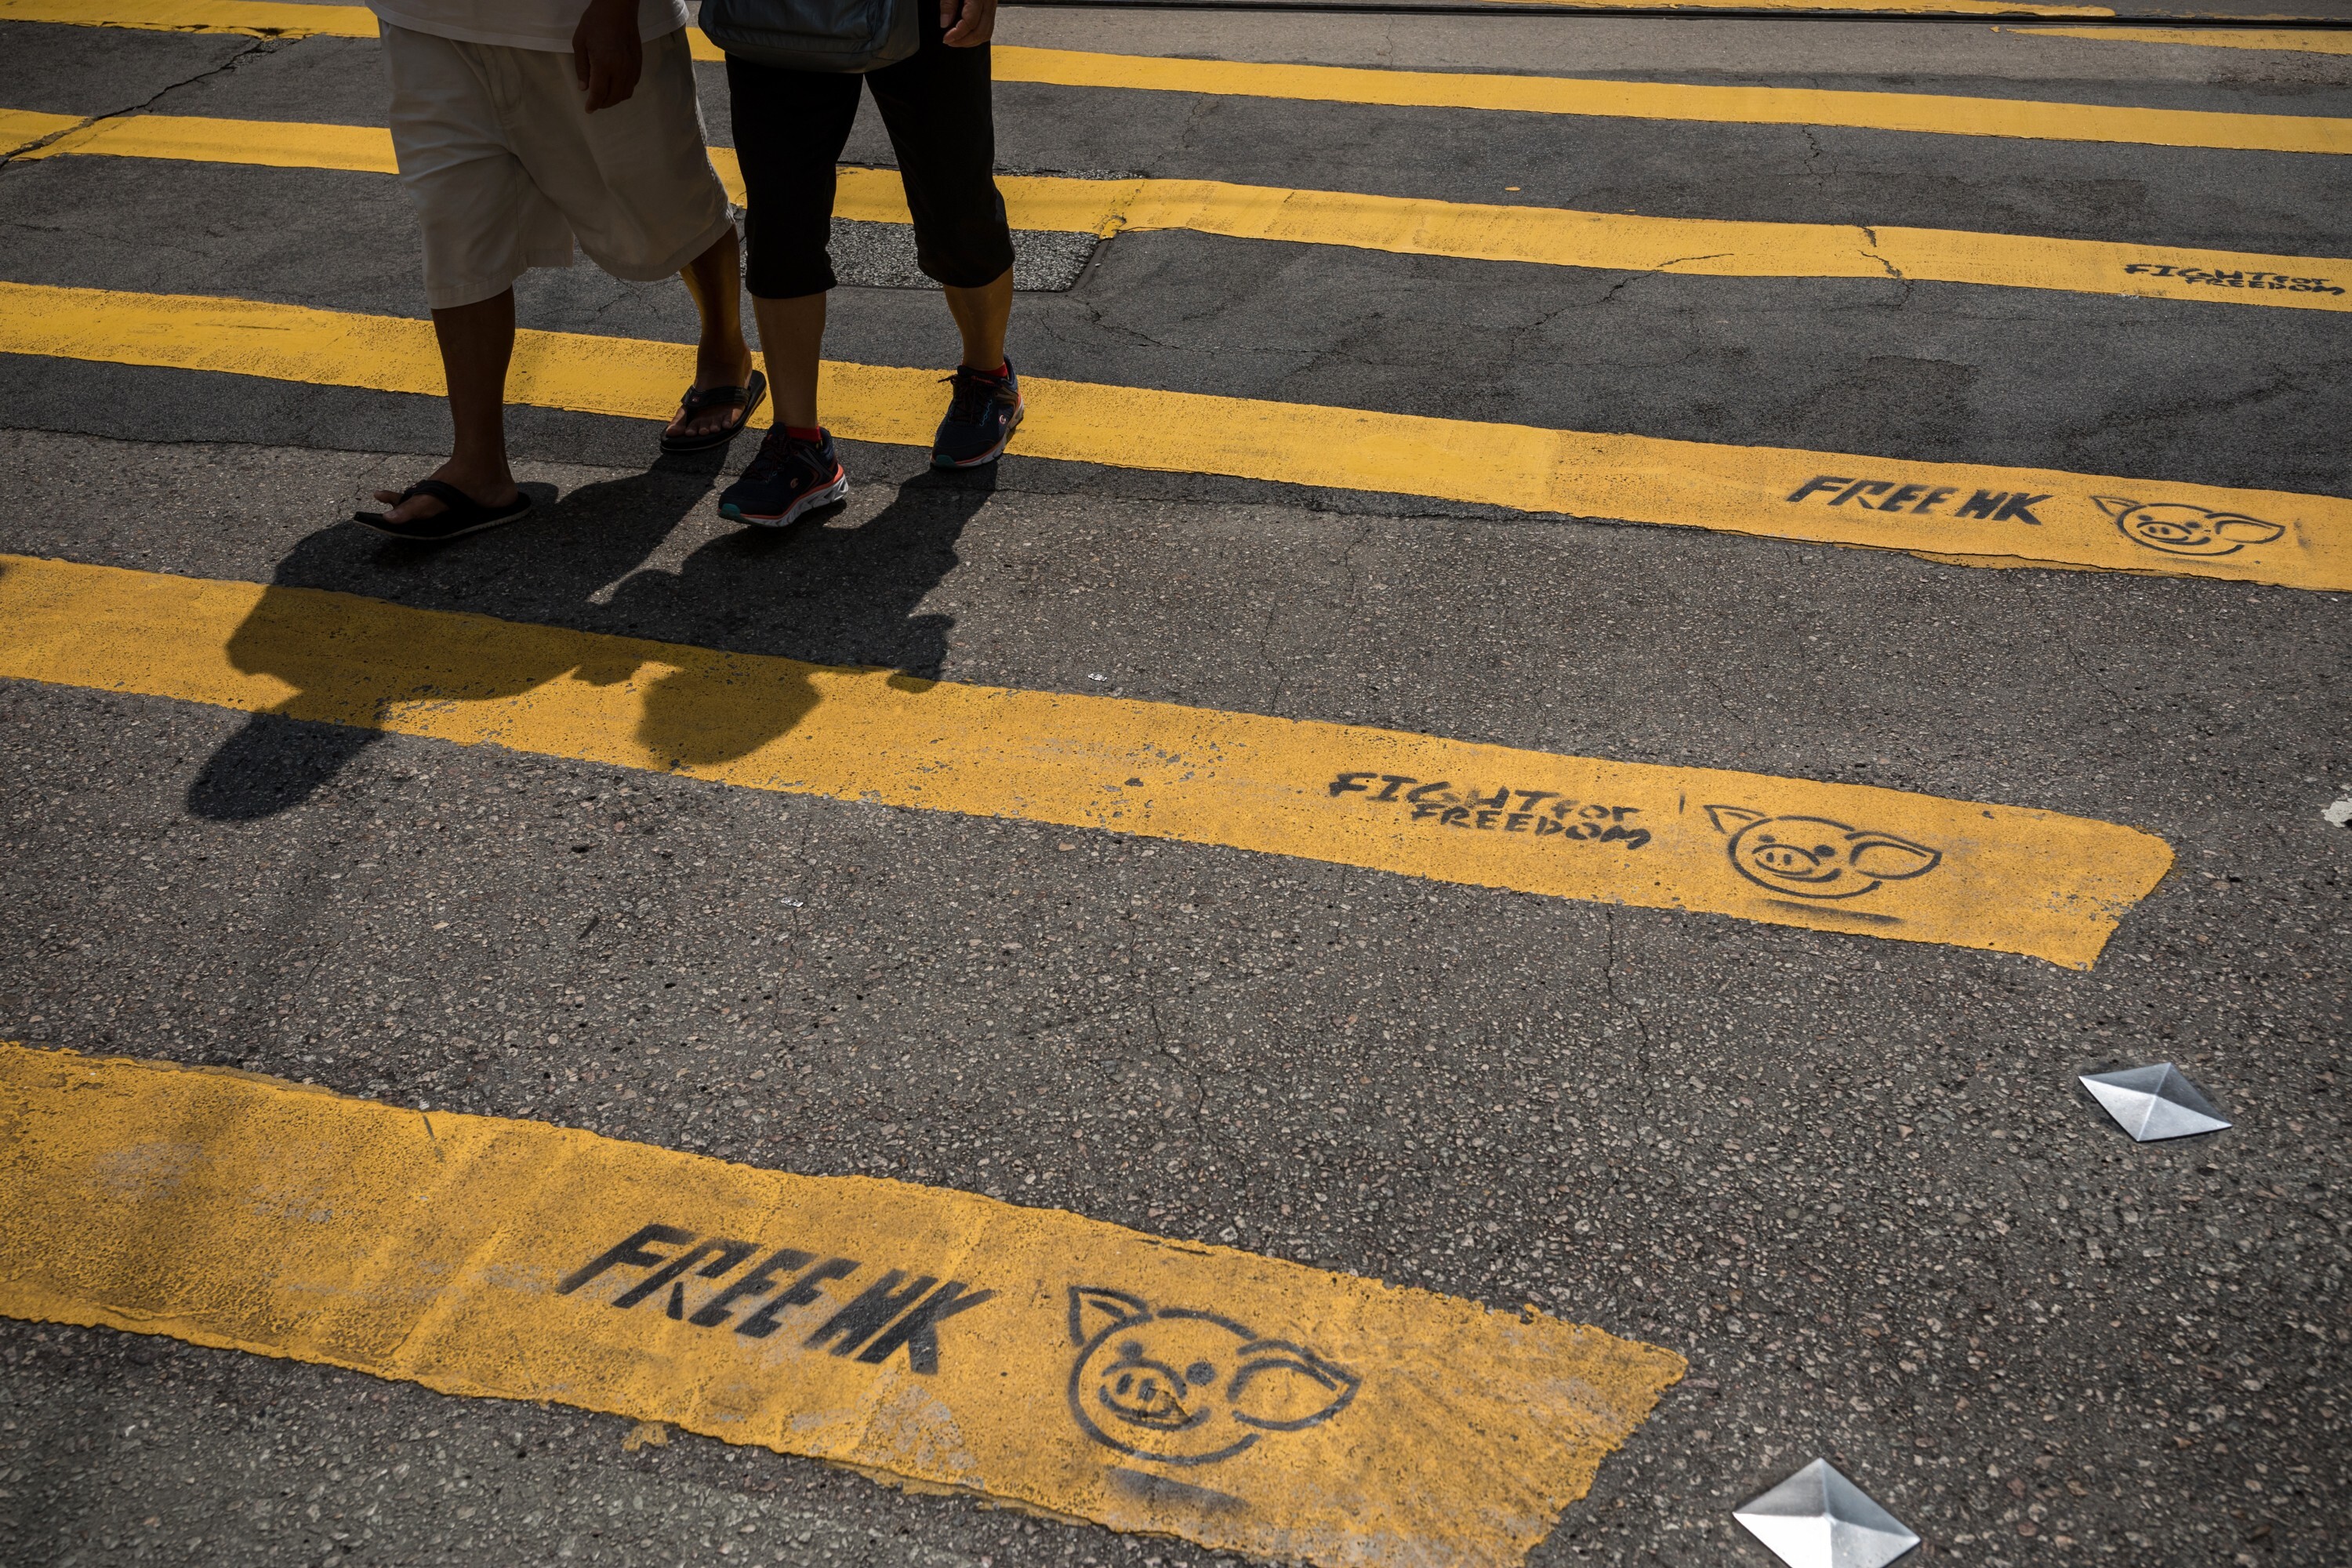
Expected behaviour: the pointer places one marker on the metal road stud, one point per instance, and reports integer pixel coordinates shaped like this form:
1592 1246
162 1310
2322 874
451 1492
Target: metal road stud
2153 1102
1817 1519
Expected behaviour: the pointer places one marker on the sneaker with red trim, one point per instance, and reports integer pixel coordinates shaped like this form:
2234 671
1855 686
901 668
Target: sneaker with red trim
982 412
789 478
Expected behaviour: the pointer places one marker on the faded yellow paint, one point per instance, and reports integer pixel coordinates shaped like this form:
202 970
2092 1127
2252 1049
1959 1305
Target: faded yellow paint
1544 236
2288 40
278 20
2265 536
231 1210
1875 862
20 127
1725 249
257 18
1930 113
288 144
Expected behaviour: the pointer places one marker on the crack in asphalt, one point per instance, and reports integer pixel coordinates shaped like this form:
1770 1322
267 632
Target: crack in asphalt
1609 989
1892 271
258 46
1660 269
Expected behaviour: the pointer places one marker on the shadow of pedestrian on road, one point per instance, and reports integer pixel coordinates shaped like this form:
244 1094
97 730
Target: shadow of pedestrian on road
823 595
826 597
564 554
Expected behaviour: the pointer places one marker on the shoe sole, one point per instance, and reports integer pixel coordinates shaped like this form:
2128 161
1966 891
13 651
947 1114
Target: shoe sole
993 453
395 530
791 514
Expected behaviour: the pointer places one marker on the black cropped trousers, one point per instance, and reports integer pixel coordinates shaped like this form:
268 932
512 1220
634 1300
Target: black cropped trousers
790 129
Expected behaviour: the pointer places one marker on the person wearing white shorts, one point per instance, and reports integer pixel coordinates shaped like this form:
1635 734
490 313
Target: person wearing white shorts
521 127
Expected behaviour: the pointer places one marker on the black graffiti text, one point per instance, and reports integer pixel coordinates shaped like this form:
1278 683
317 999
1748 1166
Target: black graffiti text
1919 501
2217 278
1541 813
893 1311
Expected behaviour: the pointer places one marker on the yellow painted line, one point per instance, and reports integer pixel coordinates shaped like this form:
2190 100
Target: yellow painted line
275 144
1545 235
919 1335
2287 40
260 18
336 21
1827 856
1724 249
1924 112
2010 514
20 127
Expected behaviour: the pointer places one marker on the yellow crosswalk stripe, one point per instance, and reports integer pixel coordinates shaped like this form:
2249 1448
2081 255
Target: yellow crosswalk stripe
268 18
1996 515
21 128
1927 113
925 1336
198 139
260 18
1544 236
2290 40
1826 856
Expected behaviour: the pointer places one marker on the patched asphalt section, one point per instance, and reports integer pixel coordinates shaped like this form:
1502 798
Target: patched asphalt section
882 256
1853 1182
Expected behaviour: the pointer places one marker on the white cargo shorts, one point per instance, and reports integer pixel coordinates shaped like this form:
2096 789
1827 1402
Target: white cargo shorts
507 166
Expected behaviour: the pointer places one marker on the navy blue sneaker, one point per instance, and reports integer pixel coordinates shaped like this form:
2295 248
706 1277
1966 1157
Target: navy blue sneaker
982 416
786 479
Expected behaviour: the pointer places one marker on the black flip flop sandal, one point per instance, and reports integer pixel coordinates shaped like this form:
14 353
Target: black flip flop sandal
747 397
462 514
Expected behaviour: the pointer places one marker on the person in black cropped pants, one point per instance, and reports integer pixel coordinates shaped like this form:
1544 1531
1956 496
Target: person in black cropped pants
789 128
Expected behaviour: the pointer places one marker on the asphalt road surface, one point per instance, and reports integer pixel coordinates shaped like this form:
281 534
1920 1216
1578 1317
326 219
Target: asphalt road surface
1852 1179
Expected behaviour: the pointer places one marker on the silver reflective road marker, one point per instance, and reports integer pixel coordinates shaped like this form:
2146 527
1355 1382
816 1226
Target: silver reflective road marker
2154 1102
1817 1519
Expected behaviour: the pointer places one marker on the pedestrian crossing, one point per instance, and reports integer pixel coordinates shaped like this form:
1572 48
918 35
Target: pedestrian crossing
1987 514
1540 1403
1930 114
1907 867
1403 226
485 1256
1915 113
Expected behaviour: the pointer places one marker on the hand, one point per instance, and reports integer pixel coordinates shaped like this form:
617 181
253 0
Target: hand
968 22
607 53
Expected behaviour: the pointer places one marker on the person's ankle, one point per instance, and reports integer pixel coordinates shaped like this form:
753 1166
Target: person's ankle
484 481
731 361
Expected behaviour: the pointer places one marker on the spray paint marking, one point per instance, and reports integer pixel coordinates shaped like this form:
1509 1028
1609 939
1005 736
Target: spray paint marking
1553 237
922 1335
2008 879
1775 492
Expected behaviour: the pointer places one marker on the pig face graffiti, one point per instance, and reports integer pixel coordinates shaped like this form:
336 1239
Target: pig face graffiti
2179 530
1815 857
1187 1387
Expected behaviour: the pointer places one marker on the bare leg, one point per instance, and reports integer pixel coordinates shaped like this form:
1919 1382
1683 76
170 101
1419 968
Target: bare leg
981 315
722 358
476 341
791 339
